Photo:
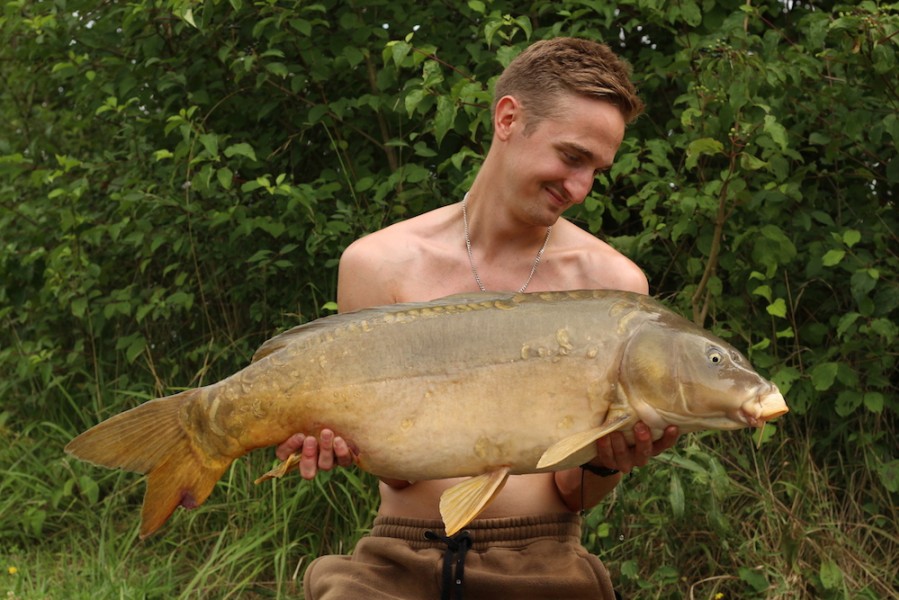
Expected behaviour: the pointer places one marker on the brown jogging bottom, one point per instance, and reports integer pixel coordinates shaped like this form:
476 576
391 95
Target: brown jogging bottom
525 558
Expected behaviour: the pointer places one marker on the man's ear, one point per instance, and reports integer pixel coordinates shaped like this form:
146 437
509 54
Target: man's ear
506 117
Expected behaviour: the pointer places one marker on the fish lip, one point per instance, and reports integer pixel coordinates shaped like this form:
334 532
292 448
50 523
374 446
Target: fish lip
765 407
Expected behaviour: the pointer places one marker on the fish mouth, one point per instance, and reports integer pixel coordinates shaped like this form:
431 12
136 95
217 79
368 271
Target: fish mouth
764 408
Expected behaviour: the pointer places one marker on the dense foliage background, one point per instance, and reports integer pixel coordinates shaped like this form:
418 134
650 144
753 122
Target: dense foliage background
178 179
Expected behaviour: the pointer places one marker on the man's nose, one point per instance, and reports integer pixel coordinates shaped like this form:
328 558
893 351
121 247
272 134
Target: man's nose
579 184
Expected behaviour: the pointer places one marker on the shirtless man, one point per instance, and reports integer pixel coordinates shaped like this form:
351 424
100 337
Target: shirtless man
559 117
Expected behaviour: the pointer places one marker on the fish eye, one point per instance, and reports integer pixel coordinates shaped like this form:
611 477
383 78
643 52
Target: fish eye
715 356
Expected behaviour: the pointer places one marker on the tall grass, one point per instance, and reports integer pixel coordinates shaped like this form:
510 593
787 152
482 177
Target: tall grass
716 518
70 530
766 523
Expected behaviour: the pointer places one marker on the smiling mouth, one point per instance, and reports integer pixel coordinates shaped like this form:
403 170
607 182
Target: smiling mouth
559 197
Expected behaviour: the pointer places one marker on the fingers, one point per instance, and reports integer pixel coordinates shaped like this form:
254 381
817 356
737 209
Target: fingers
614 452
342 452
290 445
668 439
309 458
605 455
317 454
642 450
326 450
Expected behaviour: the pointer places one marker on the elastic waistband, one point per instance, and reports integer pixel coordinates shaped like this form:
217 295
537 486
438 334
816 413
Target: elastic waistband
503 532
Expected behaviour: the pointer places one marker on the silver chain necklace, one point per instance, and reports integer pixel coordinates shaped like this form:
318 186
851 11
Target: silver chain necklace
474 269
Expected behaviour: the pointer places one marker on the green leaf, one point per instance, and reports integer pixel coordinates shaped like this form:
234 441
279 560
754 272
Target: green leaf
884 58
446 115
751 163
777 131
691 13
181 299
273 228
874 402
303 26
785 378
846 321
241 149
702 146
889 475
885 328
79 307
413 99
851 237
676 495
756 580
135 348
415 173
848 402
831 575
629 569
764 291
259 256
277 68
778 308
89 489
225 177
525 24
399 52
833 257
211 144
490 29
863 281
188 17
823 375
318 111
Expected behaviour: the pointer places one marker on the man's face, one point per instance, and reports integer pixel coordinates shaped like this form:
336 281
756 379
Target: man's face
553 164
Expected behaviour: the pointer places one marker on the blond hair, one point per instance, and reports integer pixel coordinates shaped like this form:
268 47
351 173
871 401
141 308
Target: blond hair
548 68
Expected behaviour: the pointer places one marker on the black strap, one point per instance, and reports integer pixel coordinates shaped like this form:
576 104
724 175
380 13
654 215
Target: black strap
456 547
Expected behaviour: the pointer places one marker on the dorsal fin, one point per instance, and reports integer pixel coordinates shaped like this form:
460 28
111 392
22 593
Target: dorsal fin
371 315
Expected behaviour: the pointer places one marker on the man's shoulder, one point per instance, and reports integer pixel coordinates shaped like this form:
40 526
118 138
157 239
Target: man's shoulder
405 234
601 265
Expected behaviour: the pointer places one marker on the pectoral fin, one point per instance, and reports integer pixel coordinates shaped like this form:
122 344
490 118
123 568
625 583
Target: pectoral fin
281 470
460 504
564 448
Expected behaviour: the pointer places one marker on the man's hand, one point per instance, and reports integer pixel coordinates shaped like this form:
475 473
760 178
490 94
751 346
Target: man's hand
317 454
613 451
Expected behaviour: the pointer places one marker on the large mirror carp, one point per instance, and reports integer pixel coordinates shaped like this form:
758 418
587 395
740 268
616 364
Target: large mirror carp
482 385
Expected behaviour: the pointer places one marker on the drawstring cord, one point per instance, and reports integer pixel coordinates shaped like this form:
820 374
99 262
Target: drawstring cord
456 547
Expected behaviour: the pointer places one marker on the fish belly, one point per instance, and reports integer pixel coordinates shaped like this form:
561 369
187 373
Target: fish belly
439 395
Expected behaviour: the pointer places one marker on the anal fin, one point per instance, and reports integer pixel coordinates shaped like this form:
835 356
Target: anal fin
462 503
566 447
282 469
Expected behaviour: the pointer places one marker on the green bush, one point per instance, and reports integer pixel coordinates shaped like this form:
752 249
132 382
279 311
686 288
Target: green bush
178 180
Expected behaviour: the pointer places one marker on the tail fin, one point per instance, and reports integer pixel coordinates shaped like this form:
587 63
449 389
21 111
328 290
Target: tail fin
151 439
